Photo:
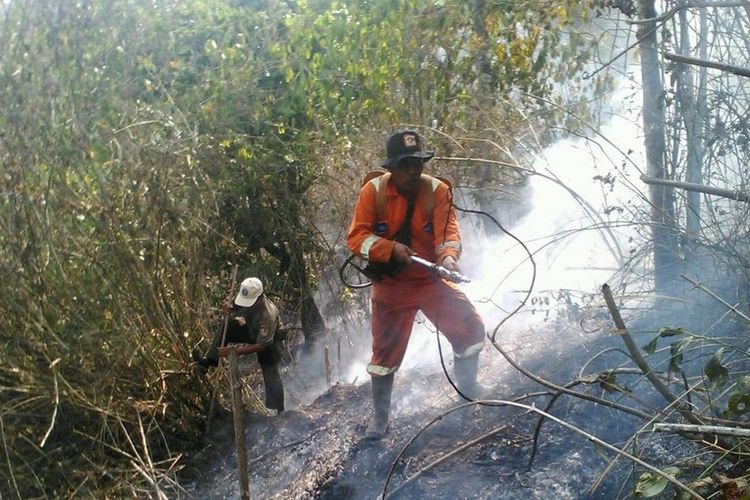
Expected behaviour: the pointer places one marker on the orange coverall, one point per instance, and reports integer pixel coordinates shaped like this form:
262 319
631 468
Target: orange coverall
396 300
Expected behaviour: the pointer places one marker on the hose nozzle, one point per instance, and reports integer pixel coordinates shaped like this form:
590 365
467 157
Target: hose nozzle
444 273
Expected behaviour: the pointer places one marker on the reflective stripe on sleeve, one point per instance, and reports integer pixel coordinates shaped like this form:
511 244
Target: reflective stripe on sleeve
364 250
380 370
377 181
469 351
448 244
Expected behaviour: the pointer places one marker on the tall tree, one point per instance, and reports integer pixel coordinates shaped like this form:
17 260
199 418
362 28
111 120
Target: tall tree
663 229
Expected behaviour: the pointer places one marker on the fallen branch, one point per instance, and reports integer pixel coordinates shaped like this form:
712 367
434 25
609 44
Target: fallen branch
448 455
590 437
558 388
702 429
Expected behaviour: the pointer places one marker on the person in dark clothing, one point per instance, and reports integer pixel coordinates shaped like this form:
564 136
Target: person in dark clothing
254 324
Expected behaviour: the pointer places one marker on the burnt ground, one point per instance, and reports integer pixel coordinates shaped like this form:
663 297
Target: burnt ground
316 451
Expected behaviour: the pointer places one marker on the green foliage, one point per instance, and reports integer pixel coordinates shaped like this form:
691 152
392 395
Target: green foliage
738 403
668 331
676 350
650 484
716 373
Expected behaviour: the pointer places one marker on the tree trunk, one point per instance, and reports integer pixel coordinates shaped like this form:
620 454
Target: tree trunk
692 118
310 317
292 263
661 197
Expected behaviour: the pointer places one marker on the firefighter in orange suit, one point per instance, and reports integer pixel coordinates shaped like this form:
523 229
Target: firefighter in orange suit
399 214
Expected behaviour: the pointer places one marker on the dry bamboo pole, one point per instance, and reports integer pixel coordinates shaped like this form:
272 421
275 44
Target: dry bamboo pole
239 426
223 340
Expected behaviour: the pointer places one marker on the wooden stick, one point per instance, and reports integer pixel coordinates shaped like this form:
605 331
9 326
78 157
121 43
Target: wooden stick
223 340
702 429
239 426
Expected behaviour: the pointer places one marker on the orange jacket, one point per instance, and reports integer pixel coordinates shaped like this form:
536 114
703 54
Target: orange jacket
435 235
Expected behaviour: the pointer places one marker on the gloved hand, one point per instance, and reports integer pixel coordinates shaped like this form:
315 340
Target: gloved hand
401 253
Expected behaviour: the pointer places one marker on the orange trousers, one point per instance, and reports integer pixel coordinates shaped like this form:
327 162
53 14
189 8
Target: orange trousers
395 304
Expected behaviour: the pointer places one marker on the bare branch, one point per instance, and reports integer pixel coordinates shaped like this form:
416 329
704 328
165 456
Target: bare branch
641 361
568 426
702 429
737 70
701 188
687 5
712 294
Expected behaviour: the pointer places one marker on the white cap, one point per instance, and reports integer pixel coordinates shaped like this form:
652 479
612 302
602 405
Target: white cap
250 290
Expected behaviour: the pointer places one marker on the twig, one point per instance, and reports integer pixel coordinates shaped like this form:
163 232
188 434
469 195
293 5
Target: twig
728 68
159 494
686 5
583 433
564 390
712 294
448 455
57 405
702 429
701 188
285 446
149 462
630 440
136 124
538 428
7 458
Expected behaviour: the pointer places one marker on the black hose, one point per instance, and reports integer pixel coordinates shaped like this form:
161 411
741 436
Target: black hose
354 286
523 302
